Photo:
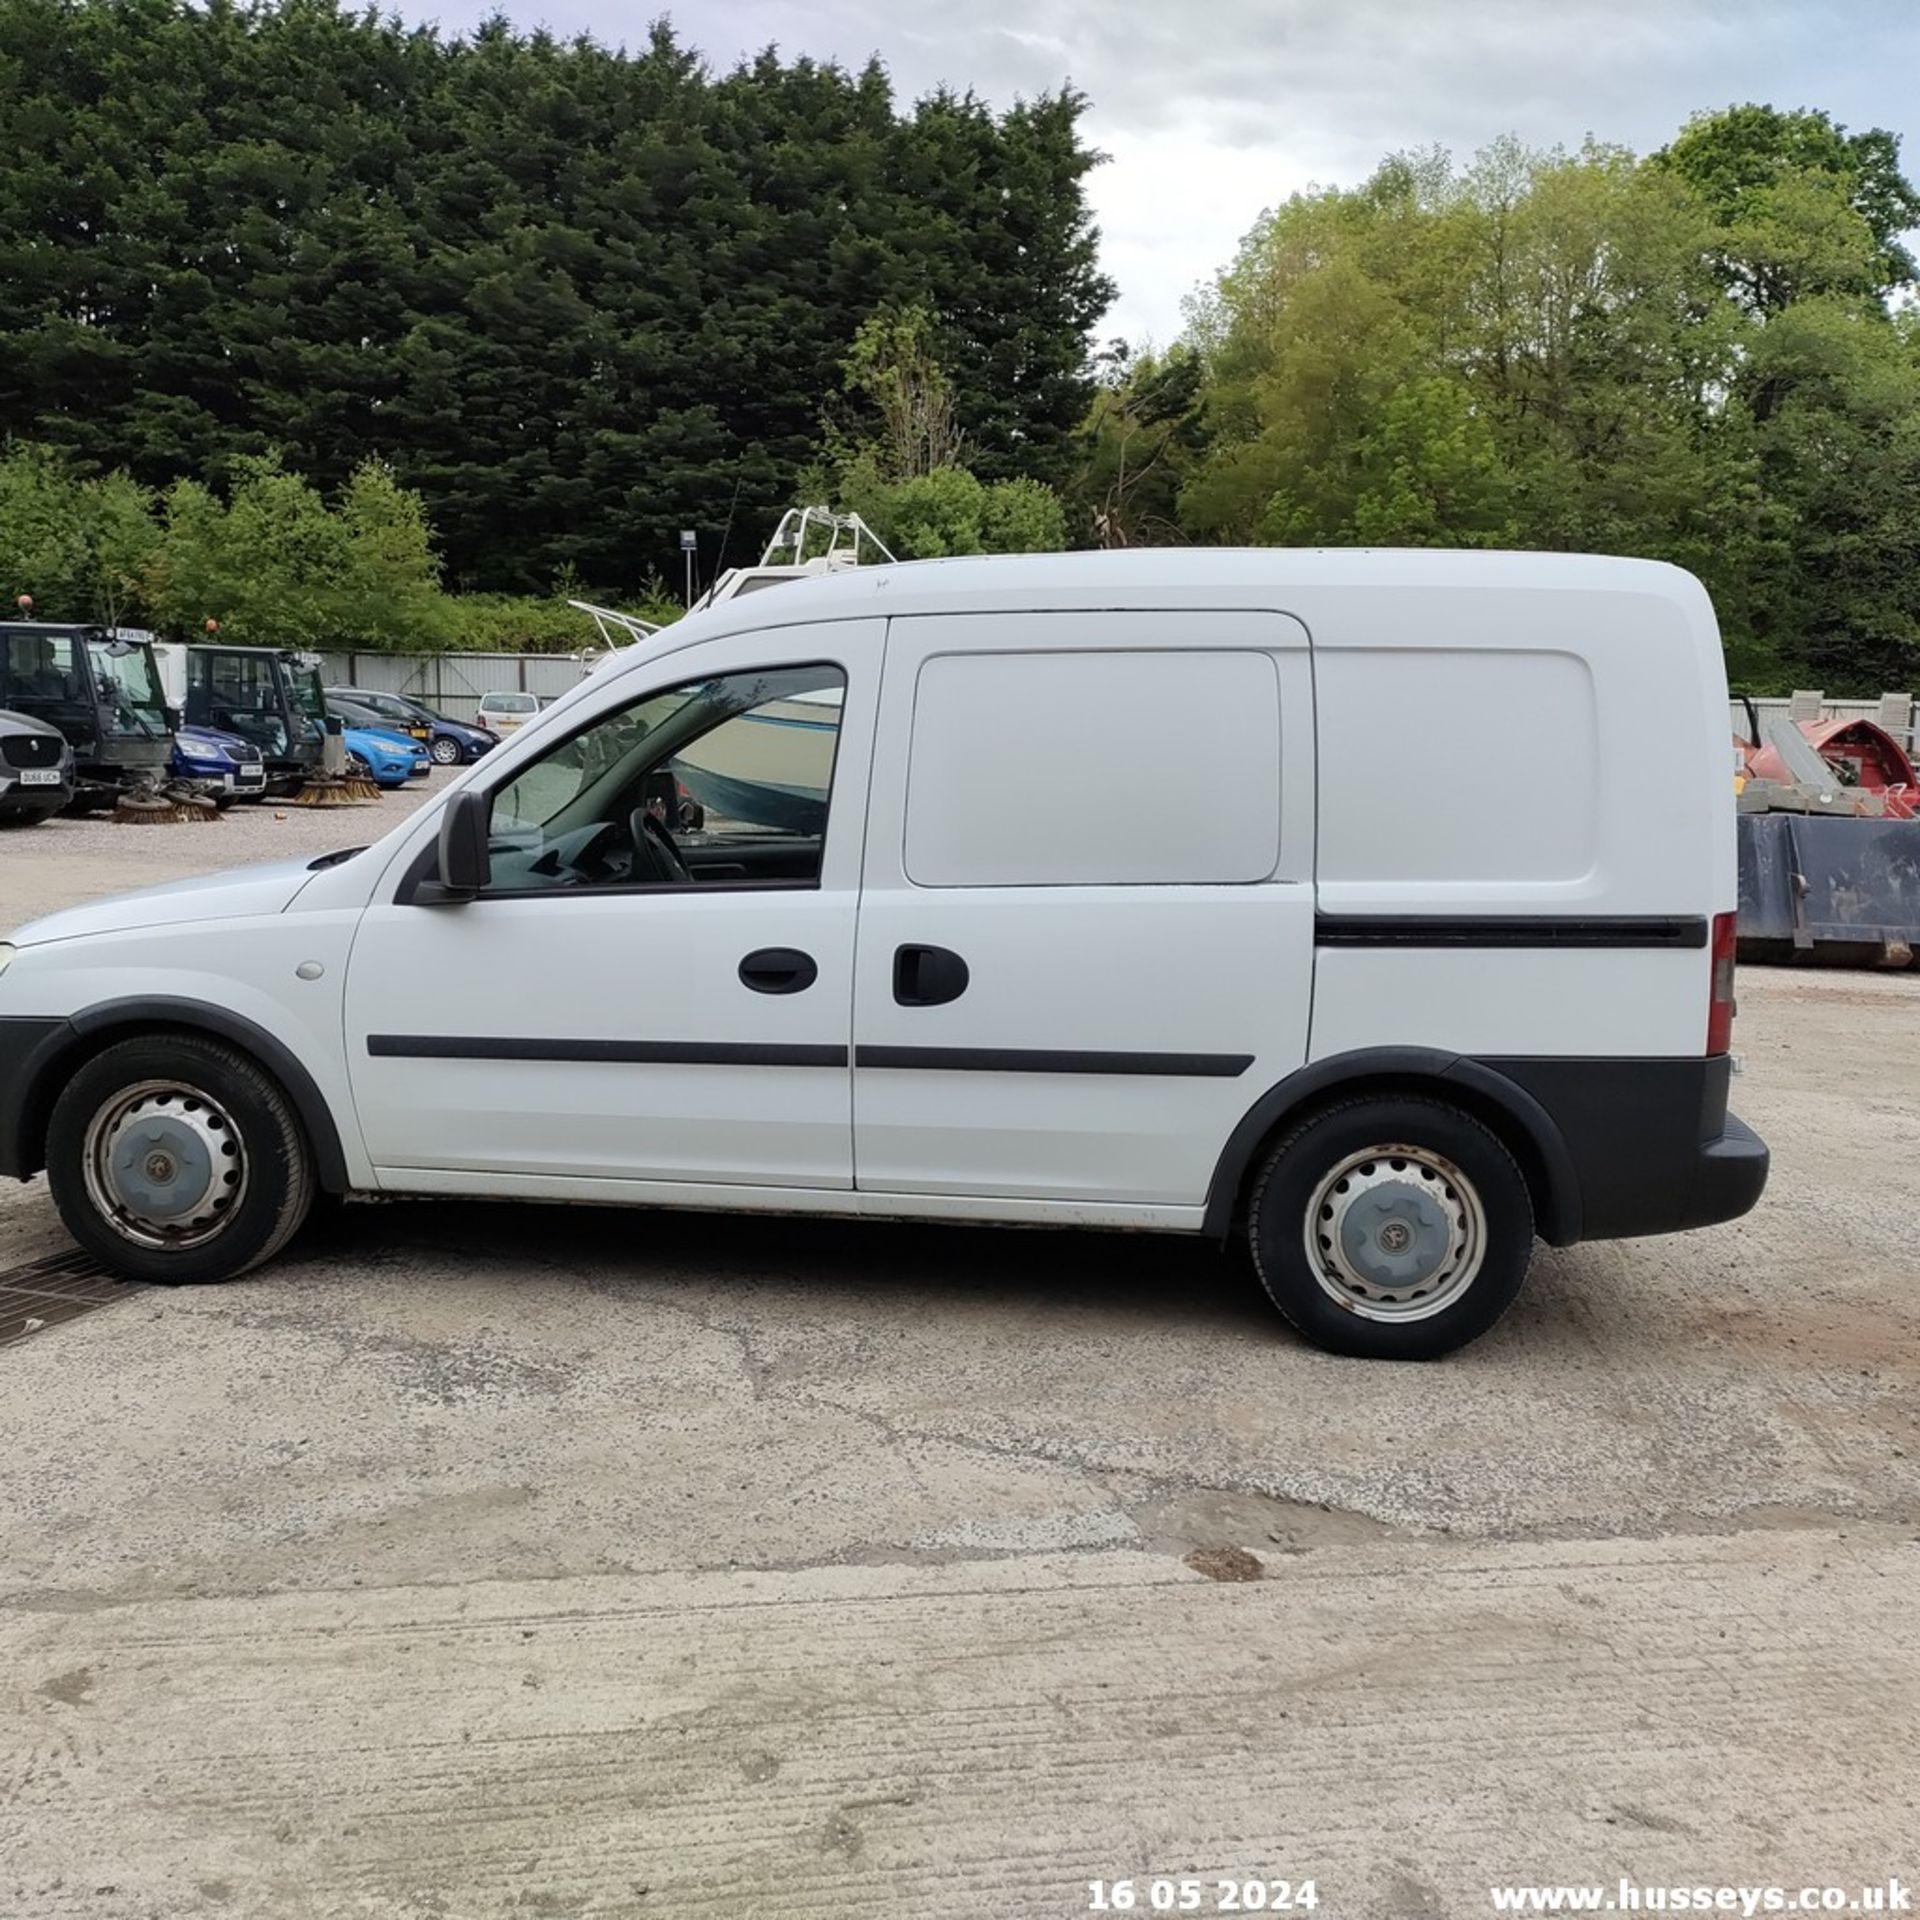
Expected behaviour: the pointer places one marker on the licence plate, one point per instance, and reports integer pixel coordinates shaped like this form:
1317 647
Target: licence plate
40 777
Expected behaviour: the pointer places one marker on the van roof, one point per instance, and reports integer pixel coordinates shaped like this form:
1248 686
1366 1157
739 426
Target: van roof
1145 576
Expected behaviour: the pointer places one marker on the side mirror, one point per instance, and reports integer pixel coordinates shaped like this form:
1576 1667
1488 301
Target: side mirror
465 865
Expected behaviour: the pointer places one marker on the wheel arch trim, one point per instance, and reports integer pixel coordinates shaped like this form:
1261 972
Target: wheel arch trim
1522 1123
129 1017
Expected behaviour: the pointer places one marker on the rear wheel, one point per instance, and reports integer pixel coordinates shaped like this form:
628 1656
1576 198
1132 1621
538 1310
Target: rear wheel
175 1159
1393 1227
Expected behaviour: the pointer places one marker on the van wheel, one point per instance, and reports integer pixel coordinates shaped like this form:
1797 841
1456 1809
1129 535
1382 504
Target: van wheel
174 1159
1390 1228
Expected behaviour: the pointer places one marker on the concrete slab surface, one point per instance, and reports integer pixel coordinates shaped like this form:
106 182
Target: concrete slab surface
481 1561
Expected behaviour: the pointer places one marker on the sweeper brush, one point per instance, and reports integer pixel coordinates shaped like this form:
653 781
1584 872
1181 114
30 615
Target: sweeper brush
169 806
333 790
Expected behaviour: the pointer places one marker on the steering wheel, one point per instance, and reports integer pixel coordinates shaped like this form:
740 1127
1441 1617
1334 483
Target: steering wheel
653 847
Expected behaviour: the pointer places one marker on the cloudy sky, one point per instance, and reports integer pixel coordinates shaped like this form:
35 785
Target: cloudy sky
1210 113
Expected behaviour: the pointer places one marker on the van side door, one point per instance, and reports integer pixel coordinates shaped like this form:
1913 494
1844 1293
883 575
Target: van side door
656 985
1086 925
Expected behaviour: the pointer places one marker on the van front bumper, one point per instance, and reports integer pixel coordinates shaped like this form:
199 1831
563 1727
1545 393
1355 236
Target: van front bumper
27 1046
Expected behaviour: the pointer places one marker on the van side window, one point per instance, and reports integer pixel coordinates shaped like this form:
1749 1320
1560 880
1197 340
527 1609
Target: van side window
1093 768
716 782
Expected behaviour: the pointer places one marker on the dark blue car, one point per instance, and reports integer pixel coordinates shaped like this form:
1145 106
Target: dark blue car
452 743
219 764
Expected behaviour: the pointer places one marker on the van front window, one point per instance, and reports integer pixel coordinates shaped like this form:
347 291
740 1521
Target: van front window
720 781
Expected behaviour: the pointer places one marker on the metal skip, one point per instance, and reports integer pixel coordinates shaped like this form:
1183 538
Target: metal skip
1828 887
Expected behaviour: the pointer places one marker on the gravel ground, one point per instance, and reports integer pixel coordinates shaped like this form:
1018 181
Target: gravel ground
63 861
482 1561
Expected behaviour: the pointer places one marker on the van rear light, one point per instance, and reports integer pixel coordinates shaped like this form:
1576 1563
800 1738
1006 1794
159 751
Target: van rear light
1720 1006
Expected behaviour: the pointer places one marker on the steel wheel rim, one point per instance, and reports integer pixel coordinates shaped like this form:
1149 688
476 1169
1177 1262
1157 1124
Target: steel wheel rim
1395 1233
164 1165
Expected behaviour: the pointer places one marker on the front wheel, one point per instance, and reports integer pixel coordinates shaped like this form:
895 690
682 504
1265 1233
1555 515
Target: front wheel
175 1159
445 752
1393 1227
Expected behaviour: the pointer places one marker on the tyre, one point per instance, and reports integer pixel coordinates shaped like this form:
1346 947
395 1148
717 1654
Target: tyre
174 1159
1392 1227
445 752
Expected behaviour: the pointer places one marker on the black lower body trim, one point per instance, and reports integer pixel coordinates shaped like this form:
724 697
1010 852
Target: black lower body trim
1653 1146
27 1048
723 1053
1508 930
624 1053
1183 1066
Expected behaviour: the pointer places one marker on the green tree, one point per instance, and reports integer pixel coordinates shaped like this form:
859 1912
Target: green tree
392 574
1137 445
1803 206
893 368
577 298
79 547
952 511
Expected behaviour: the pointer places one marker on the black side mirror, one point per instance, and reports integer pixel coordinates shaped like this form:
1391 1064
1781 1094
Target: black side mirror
465 865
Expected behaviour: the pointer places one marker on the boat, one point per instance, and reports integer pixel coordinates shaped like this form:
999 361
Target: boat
771 767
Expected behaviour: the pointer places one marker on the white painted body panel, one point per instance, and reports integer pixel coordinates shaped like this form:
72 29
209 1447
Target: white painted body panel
623 967
244 966
1492 1001
841 1203
1468 735
1223 969
235 894
629 967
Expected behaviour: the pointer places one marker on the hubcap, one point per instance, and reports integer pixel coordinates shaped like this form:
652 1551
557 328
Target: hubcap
1395 1233
164 1165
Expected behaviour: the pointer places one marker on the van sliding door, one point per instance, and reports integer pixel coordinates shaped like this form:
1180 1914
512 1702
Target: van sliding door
1085 943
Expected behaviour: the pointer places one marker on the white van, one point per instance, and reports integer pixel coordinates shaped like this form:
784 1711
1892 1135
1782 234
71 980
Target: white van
1378 906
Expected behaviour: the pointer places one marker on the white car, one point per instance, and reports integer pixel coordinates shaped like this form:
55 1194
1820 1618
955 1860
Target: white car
504 712
1360 904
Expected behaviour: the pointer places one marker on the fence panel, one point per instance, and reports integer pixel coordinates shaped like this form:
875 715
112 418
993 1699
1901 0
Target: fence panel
453 683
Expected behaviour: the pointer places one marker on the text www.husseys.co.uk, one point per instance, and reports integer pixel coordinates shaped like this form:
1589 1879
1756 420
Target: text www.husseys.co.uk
1629 1896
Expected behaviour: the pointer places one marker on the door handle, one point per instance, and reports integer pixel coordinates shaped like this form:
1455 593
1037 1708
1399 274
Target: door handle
928 976
778 970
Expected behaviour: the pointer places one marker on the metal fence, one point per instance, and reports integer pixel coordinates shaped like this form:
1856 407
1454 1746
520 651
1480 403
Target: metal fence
453 683
1898 713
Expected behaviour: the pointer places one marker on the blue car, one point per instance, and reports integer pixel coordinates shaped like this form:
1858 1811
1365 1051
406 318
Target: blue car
221 765
453 743
389 760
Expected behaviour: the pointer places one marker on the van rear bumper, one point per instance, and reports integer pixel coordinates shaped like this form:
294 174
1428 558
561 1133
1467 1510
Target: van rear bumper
1650 1143
1729 1176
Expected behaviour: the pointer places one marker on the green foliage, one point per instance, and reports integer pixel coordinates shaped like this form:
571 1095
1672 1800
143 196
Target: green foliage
894 369
1687 358
576 298
529 623
1137 447
1803 207
80 548
952 511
